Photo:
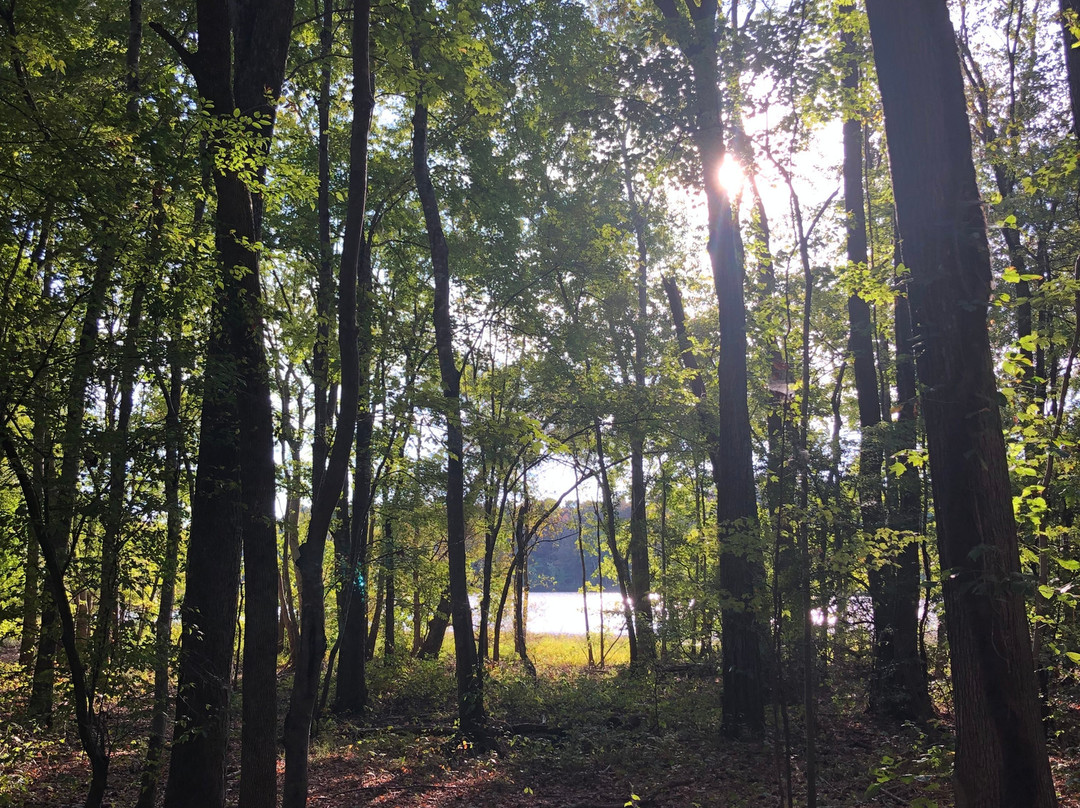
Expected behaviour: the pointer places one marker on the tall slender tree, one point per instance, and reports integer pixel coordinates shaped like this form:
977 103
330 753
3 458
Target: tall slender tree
329 487
695 31
898 687
469 682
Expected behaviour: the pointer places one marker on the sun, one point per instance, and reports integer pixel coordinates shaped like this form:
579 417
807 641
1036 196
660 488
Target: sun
731 174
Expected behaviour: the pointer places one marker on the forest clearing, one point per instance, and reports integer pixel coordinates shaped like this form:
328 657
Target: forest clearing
565 402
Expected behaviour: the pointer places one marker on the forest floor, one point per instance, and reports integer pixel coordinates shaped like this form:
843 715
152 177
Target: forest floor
573 737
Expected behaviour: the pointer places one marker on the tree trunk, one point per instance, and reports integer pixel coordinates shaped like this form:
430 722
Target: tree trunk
640 577
113 518
741 567
329 485
376 613
894 692
31 603
622 572
174 441
61 491
469 683
1001 757
389 630
240 61
436 631
584 575
92 732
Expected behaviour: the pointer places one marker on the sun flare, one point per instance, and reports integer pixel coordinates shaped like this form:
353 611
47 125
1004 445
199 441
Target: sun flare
732 177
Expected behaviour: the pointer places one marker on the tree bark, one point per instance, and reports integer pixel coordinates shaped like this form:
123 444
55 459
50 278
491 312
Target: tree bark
92 732
389 605
894 689
640 574
240 61
469 683
622 571
58 504
148 780
330 482
741 566
1001 757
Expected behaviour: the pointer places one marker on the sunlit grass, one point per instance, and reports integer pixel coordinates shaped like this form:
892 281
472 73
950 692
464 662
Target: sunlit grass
571 650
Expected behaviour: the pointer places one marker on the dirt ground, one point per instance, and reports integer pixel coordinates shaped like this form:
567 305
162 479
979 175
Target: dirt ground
572 738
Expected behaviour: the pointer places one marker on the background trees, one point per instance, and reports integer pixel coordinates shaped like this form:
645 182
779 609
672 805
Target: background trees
573 317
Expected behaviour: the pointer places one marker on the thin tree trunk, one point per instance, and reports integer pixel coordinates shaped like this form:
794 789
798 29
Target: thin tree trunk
808 660
417 639
622 573
328 490
31 603
61 491
471 716
376 613
389 564
174 438
92 732
113 517
640 576
584 576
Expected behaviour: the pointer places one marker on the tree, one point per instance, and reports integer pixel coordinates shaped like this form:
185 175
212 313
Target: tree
329 484
1001 757
238 69
898 688
736 503
469 683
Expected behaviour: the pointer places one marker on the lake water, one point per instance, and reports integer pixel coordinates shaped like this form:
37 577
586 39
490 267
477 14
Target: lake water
564 613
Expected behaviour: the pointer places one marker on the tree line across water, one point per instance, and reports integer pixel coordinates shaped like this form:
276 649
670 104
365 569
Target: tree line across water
299 301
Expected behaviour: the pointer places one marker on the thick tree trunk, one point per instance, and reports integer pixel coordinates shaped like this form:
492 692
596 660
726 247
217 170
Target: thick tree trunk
1001 757
241 56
